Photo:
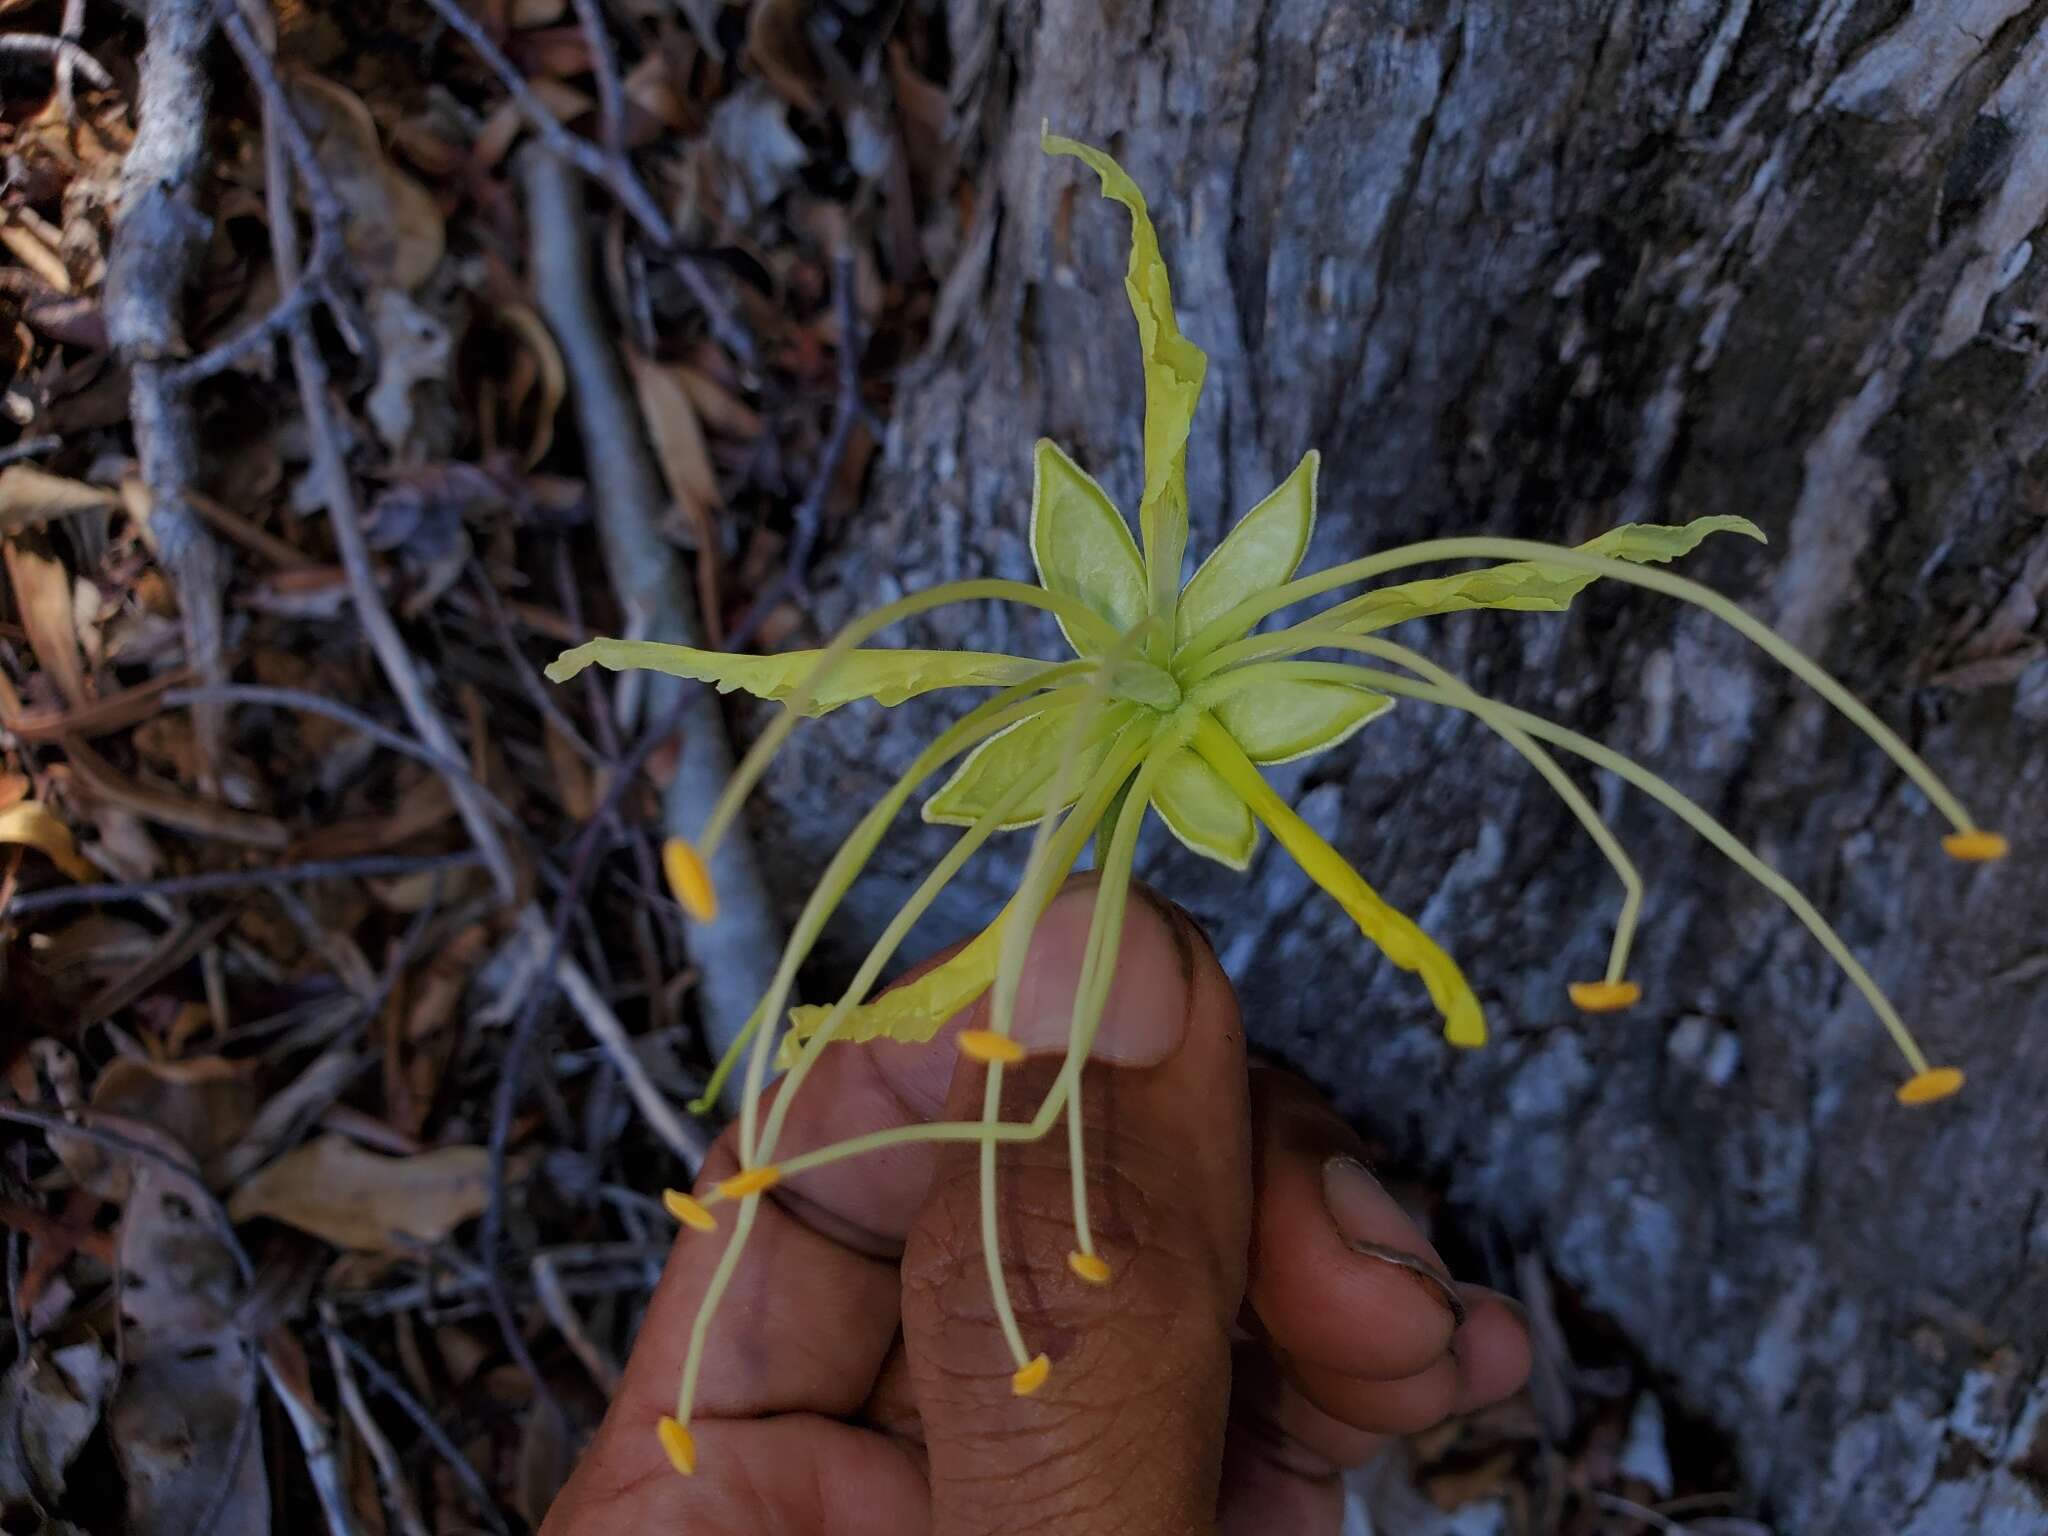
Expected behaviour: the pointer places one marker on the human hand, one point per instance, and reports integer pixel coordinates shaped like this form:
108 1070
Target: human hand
1272 1316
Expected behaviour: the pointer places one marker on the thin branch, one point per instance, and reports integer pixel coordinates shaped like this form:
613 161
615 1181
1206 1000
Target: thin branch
354 719
404 1506
323 1467
808 518
604 68
215 882
734 955
158 236
561 1311
413 1409
66 54
30 448
337 489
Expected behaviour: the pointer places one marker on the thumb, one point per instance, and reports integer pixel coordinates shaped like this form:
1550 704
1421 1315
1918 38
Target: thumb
1126 1434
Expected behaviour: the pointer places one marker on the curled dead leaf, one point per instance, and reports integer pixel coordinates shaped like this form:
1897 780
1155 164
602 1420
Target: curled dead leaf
30 497
354 1198
33 823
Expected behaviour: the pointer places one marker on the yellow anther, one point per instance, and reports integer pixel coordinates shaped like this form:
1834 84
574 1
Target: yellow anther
749 1181
688 1210
689 878
987 1045
1029 1378
1926 1087
680 1444
1090 1267
1605 996
1974 847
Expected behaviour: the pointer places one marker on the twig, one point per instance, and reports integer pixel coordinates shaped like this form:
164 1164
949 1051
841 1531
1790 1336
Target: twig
604 69
323 1467
338 491
238 1448
30 448
808 519
413 1409
47 1121
66 54
682 1135
214 882
561 1311
404 1507
612 170
158 236
354 719
522 671
736 954
71 28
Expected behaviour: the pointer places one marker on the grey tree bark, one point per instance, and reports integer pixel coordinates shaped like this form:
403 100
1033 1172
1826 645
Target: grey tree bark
1538 267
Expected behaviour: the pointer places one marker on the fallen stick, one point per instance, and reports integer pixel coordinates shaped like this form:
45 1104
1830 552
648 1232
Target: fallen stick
736 953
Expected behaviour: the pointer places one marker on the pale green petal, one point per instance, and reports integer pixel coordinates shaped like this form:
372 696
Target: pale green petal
889 677
1174 368
1530 586
996 767
1203 811
1081 542
910 1013
1281 719
1261 552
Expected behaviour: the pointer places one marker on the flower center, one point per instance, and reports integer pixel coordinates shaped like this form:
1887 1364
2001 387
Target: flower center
1140 682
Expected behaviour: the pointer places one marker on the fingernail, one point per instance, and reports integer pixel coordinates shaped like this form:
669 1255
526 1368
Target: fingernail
1145 1019
1361 1208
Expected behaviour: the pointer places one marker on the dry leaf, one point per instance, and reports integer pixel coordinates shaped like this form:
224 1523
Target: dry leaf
13 789
720 408
42 593
552 384
358 1199
30 497
169 808
678 438
780 52
394 231
33 823
205 1103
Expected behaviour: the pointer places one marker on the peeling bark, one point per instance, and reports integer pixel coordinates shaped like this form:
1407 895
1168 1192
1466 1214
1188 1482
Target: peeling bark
1536 268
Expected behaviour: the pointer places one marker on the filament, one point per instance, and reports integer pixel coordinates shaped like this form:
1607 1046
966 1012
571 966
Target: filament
1206 653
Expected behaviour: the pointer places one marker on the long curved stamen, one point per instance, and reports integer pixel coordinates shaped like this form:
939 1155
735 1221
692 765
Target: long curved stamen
748 773
758 1161
1034 892
1091 993
1206 653
989 718
1079 823
1220 688
1675 801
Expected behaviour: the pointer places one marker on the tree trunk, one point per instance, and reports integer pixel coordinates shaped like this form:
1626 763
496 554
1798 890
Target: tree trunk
1539 267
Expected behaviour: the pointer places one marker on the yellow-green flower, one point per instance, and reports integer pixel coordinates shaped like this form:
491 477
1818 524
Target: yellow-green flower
1173 702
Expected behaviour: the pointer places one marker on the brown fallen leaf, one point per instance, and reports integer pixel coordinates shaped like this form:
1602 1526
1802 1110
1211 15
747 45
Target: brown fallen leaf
33 823
353 1198
42 594
30 497
678 437
169 808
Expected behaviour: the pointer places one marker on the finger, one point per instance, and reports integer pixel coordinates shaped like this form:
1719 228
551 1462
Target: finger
1340 1276
1274 1420
1489 1361
1127 1433
812 1306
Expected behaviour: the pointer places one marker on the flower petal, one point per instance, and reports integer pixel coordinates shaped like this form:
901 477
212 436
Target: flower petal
1530 586
1262 551
1203 811
889 677
1081 543
1281 719
1396 934
1174 369
911 1013
995 768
